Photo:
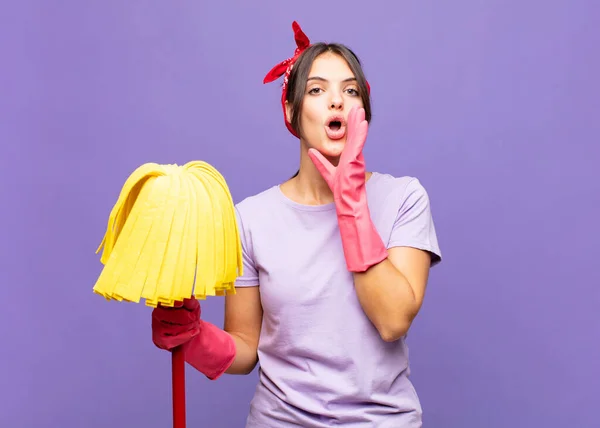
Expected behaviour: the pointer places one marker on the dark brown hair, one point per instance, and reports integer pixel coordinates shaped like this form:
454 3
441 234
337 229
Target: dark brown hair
299 76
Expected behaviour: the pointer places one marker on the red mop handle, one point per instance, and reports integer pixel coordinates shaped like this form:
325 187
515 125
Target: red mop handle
178 378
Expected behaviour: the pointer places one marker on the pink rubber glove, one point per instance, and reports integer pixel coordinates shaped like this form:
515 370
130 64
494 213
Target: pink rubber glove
207 348
363 247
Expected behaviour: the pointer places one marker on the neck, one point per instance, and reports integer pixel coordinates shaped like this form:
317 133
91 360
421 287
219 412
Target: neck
309 187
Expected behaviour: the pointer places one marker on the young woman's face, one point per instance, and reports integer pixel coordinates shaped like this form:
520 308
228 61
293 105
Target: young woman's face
331 91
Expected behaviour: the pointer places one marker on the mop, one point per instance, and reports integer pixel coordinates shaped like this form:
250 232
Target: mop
171 235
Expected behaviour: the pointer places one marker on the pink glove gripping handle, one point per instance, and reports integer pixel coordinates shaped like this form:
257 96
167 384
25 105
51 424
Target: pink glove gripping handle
205 347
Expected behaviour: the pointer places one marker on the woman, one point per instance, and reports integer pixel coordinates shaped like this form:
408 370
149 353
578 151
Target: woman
336 262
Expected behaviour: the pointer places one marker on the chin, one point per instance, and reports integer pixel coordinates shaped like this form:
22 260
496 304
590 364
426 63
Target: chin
332 148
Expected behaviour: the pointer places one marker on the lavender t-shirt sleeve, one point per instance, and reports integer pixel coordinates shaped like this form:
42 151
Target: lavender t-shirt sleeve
414 225
249 278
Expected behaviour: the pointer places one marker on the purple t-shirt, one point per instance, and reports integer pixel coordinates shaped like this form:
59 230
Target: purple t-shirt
321 361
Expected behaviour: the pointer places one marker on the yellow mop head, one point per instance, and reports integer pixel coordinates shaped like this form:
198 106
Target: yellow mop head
172 234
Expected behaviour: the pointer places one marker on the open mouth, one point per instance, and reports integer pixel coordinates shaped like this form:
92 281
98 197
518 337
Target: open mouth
335 125
335 128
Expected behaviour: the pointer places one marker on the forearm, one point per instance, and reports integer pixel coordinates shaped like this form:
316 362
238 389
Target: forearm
387 299
246 356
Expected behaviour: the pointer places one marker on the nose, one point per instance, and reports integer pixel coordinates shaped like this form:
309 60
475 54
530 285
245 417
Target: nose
337 102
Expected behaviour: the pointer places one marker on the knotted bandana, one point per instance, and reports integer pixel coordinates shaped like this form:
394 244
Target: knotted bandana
285 68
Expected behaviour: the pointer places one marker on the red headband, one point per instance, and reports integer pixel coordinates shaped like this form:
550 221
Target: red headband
285 68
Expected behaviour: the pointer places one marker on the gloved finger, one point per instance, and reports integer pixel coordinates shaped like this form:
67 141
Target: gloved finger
168 342
325 168
357 132
191 304
166 329
179 316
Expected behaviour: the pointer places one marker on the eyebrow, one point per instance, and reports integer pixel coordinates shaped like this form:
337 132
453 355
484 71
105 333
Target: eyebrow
322 79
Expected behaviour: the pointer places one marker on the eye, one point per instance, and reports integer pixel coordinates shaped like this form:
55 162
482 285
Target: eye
352 92
314 91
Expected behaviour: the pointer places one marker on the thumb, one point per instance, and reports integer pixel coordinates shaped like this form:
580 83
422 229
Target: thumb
191 303
325 168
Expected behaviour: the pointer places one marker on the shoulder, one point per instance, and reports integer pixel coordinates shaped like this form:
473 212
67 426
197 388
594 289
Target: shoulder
407 208
256 203
397 189
253 208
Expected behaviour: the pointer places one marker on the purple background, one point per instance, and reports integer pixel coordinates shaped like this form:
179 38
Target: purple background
490 103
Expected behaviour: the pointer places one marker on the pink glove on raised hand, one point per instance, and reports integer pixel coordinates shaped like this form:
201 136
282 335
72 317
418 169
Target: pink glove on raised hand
207 348
363 247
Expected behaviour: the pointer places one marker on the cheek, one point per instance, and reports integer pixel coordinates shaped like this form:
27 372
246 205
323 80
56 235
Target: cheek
354 101
311 116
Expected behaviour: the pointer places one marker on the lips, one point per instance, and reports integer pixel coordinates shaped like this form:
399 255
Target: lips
335 127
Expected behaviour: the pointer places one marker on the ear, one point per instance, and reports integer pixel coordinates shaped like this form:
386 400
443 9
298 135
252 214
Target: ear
288 112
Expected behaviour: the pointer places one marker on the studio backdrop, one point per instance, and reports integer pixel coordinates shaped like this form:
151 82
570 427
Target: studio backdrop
492 105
